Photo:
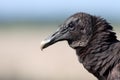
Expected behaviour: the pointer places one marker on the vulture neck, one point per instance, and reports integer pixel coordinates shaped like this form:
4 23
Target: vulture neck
94 54
99 43
102 37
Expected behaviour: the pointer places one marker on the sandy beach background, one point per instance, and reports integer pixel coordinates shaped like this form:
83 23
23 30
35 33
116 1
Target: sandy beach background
25 23
22 59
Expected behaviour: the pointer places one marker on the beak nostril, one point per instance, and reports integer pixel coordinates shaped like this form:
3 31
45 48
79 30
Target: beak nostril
54 34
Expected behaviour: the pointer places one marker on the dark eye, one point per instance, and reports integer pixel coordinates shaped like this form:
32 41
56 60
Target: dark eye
71 26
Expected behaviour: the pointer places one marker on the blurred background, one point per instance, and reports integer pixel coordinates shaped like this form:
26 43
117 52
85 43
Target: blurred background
25 23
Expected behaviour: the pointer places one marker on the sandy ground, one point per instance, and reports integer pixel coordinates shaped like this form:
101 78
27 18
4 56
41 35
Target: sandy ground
22 59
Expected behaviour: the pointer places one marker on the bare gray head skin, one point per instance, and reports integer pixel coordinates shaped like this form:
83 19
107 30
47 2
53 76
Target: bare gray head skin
75 30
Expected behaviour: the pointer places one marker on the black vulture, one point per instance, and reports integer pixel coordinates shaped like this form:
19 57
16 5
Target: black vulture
95 43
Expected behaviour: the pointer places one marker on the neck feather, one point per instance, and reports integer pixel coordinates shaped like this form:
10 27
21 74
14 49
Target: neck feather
101 40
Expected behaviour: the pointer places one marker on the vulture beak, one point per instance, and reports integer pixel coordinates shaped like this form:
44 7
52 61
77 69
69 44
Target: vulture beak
57 36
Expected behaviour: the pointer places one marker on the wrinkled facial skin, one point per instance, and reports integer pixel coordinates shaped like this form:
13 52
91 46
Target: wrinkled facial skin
71 31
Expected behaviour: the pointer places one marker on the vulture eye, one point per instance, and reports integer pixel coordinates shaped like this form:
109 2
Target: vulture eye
71 26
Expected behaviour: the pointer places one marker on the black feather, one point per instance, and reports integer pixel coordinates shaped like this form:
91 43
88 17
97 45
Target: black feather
95 43
102 53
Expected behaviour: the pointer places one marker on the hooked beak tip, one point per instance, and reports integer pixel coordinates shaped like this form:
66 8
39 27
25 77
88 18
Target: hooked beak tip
44 44
50 40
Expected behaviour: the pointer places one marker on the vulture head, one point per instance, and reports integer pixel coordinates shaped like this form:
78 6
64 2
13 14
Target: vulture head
76 30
